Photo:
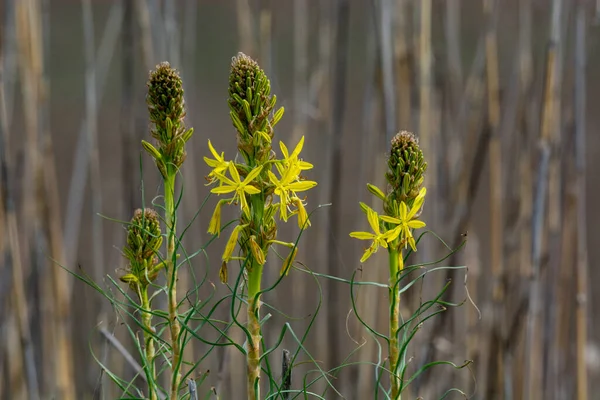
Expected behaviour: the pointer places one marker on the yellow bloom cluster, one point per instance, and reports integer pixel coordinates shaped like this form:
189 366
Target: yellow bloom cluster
399 227
277 186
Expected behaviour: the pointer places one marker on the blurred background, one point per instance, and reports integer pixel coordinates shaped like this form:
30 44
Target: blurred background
501 94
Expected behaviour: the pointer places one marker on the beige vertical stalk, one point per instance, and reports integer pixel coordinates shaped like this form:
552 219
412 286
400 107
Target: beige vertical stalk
582 255
495 182
18 332
402 52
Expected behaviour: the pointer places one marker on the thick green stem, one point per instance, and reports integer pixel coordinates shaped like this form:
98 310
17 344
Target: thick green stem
394 297
254 284
148 343
172 281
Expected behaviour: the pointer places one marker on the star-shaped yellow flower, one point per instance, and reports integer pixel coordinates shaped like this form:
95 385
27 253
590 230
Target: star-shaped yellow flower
236 185
378 238
219 165
406 222
292 159
287 186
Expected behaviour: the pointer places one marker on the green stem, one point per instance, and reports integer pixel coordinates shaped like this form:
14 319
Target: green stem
170 218
254 284
148 342
394 298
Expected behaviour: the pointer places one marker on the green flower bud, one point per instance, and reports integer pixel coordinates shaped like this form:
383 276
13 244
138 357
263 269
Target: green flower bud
143 243
406 169
166 107
251 105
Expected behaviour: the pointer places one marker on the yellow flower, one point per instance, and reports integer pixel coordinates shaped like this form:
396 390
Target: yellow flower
303 221
287 186
378 238
219 165
292 159
236 185
214 227
230 246
406 222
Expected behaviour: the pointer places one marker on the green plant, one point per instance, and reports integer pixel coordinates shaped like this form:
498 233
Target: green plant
393 230
166 107
269 188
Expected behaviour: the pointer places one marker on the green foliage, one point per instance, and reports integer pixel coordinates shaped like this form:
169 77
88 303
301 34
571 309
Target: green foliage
267 188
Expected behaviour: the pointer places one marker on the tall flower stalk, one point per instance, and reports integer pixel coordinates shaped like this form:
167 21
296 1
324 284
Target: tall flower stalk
166 106
143 244
402 203
263 186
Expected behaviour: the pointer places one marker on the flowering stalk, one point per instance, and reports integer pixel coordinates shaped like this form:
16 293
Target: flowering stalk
166 106
262 185
402 201
143 243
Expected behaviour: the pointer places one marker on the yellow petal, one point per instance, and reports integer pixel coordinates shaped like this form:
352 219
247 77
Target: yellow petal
411 242
284 150
211 163
214 227
415 224
230 246
253 174
257 252
303 165
223 272
403 211
287 264
251 190
393 234
298 148
212 150
302 186
367 254
373 220
303 221
389 219
223 189
362 235
234 173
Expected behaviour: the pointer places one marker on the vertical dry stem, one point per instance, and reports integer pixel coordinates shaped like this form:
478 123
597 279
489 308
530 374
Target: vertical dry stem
582 256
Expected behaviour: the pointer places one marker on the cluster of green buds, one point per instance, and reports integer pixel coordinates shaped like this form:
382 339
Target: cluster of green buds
402 201
166 106
406 171
143 243
251 105
264 185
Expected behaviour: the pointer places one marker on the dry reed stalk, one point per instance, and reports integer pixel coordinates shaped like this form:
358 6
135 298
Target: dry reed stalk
91 116
300 72
28 24
370 170
582 255
453 53
426 135
52 215
387 67
336 333
127 120
550 126
525 173
402 54
17 329
533 346
143 16
496 200
245 23
79 176
266 36
172 33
